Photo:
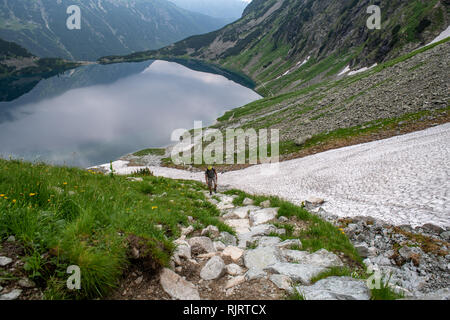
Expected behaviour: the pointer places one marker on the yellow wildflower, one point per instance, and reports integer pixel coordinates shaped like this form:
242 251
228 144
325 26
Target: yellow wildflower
153 208
32 194
14 201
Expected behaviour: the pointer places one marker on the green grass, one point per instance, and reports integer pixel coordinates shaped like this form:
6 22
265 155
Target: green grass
67 216
150 151
385 292
333 272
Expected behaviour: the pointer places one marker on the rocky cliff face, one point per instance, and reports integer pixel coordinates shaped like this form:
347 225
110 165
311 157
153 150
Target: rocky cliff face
107 26
275 38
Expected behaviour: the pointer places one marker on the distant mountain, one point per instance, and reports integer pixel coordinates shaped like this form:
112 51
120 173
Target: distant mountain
20 71
284 45
107 26
215 8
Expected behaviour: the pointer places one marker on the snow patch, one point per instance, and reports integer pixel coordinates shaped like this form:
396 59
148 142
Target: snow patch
347 69
444 34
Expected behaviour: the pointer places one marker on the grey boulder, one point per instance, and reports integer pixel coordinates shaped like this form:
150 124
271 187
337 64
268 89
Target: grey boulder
336 288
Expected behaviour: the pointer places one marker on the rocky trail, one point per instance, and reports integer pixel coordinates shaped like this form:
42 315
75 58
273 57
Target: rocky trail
257 265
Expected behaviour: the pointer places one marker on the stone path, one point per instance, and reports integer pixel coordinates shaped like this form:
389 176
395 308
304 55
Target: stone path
253 255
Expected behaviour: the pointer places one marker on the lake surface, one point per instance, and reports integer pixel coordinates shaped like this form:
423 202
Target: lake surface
96 113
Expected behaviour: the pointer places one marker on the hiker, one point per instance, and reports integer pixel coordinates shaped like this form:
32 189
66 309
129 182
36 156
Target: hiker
211 178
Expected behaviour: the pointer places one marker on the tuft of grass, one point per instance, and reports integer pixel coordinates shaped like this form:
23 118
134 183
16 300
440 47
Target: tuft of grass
333 272
385 292
150 151
295 295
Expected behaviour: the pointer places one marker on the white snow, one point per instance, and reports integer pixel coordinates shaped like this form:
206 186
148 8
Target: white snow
401 180
351 73
300 63
444 34
347 69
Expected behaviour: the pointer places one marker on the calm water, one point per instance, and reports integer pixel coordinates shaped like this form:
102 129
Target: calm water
97 113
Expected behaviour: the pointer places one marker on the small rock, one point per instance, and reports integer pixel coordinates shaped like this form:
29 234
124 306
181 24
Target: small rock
11 239
445 235
26 283
179 269
405 253
266 241
207 255
227 238
234 253
213 269
133 179
336 288
201 245
177 287
139 280
297 272
13 295
290 243
239 225
240 213
135 253
211 231
282 282
362 249
234 282
431 228
247 202
253 274
321 258
300 141
233 269
4 261
183 250
219 245
262 257
187 231
314 201
283 219
265 204
262 216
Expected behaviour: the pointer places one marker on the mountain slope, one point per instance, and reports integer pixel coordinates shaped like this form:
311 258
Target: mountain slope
107 26
215 8
273 40
20 71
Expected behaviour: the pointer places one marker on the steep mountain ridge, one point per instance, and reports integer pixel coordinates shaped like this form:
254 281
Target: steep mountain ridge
287 44
107 26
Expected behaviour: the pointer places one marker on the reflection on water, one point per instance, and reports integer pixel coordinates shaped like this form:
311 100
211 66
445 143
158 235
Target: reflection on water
99 113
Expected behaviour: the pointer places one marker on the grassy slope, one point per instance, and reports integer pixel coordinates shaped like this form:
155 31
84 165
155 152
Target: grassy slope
67 216
84 218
